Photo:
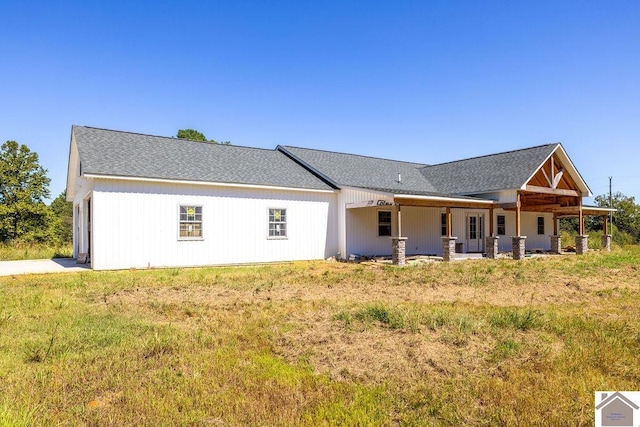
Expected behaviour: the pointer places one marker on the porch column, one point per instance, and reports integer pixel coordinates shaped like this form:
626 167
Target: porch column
556 240
491 230
606 237
582 244
492 246
398 250
448 248
556 244
398 244
518 247
448 242
518 241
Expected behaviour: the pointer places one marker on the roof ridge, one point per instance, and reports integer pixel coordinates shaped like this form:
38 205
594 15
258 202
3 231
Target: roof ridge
173 138
356 155
494 154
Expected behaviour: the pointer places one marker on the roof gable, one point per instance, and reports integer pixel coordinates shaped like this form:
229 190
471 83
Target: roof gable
558 173
124 154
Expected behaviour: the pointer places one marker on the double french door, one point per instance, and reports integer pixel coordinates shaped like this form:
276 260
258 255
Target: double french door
475 233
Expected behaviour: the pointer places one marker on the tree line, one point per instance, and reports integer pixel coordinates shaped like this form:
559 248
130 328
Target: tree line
24 187
25 217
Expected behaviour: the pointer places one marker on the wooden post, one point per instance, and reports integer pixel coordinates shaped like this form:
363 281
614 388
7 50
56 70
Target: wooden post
605 219
518 216
555 224
580 219
399 221
491 232
449 227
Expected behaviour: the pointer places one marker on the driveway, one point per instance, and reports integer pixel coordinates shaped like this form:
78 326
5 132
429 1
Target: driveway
35 266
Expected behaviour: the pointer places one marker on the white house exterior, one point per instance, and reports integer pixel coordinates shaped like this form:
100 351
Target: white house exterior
145 201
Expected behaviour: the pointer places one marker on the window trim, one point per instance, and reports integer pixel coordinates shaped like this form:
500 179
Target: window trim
180 221
385 223
541 225
504 225
285 222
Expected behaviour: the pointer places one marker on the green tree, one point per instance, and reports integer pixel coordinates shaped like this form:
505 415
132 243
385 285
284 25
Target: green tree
191 134
62 221
626 218
23 187
195 135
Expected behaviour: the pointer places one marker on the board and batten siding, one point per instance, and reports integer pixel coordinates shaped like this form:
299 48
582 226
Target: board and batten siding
347 196
528 228
420 225
136 225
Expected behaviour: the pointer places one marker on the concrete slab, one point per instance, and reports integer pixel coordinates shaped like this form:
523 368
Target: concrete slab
37 266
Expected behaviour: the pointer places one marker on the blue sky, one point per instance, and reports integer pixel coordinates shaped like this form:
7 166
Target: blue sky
425 81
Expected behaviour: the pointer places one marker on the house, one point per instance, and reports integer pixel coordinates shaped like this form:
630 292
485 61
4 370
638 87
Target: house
150 201
616 410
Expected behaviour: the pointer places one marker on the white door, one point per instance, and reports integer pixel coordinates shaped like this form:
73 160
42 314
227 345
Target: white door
475 233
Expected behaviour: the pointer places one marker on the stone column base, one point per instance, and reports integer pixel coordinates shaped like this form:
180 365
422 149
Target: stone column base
606 242
492 247
556 244
398 254
582 245
448 248
518 248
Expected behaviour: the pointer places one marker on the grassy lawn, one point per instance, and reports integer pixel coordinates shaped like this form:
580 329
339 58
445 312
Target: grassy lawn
318 343
21 251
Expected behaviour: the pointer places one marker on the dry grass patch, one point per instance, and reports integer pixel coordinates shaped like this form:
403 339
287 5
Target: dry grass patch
319 343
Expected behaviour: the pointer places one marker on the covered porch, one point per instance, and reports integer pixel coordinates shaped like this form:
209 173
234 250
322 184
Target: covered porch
480 224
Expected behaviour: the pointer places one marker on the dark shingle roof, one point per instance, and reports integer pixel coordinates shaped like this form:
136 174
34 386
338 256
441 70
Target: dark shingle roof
501 171
351 170
116 153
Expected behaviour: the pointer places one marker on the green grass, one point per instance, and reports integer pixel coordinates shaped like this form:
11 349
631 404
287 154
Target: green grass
22 251
318 343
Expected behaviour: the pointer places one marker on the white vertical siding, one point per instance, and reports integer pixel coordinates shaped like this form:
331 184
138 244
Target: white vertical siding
136 225
354 227
362 231
421 226
528 228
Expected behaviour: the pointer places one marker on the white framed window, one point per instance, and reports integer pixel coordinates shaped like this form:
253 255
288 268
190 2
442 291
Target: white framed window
502 225
277 223
190 222
384 223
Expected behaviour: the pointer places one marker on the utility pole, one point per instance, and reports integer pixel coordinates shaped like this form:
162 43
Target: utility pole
610 204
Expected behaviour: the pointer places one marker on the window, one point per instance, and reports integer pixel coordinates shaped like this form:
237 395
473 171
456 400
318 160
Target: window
190 222
277 223
540 225
473 227
443 224
501 226
384 223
